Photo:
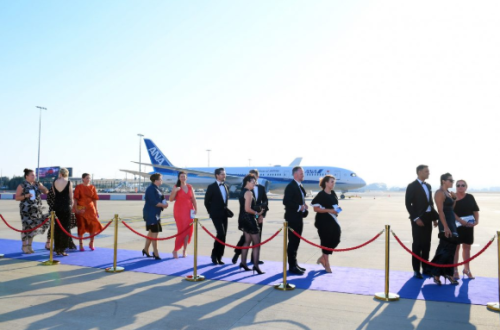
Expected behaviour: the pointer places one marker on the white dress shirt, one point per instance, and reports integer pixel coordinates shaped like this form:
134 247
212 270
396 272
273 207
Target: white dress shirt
427 193
222 190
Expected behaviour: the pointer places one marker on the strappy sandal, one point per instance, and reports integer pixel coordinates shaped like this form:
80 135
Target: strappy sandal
30 248
26 251
47 245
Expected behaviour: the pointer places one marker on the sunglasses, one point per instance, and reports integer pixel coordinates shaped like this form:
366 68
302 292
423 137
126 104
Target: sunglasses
461 185
451 180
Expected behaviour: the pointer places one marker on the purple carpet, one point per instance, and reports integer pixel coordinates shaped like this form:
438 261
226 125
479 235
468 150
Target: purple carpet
343 279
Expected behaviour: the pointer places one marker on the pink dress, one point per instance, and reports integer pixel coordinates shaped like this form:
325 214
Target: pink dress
182 215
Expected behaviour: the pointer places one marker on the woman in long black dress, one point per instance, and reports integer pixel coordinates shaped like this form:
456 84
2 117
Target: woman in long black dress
448 236
50 202
467 216
248 222
326 219
63 203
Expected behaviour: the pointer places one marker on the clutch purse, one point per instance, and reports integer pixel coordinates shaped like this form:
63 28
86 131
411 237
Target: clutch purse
229 213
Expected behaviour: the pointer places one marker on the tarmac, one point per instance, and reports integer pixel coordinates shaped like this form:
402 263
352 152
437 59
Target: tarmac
62 297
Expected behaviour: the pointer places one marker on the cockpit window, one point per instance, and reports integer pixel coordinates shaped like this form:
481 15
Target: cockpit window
353 174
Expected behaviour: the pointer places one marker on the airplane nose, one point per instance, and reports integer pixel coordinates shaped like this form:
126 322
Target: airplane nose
361 182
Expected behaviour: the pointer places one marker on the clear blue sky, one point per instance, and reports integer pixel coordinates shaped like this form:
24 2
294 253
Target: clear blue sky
376 87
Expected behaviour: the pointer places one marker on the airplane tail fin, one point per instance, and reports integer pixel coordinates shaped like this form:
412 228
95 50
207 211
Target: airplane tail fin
296 161
157 157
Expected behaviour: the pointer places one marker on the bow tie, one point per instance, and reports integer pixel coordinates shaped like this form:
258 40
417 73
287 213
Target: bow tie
423 182
221 184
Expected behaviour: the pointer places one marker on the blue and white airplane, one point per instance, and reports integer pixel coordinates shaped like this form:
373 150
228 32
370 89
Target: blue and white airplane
274 178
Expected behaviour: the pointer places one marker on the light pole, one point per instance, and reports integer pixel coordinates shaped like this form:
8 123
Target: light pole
140 143
39 137
208 152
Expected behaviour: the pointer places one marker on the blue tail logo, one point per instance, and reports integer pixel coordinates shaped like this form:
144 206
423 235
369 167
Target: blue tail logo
157 157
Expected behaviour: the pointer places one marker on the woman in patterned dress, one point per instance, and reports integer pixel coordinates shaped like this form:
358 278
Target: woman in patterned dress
28 193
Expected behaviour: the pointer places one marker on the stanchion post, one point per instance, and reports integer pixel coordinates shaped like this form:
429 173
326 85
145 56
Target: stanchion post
285 286
115 269
195 277
51 260
386 295
495 306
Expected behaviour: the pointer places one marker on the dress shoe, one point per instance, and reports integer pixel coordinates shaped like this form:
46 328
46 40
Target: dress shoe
417 275
220 262
235 259
301 268
214 260
296 270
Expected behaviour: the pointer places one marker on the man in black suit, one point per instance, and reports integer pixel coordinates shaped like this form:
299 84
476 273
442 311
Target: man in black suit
295 211
216 199
261 201
420 206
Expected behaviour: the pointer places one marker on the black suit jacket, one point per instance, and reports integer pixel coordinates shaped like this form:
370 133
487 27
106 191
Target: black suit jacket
214 201
262 200
416 201
293 200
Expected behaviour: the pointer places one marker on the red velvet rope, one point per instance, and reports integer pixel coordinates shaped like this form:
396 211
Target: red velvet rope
439 265
335 250
241 247
27 230
156 239
86 237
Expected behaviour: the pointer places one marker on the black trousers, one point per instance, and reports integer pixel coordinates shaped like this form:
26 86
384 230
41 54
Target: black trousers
293 241
242 240
220 225
421 245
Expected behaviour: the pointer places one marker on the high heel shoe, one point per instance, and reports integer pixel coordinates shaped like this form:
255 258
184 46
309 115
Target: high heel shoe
321 261
257 269
91 246
47 245
81 248
245 267
174 254
30 248
437 280
469 274
26 249
157 257
456 276
144 253
451 279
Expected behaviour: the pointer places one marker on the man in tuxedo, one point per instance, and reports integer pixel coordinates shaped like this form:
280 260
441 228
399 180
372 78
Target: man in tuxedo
295 211
261 201
216 199
420 206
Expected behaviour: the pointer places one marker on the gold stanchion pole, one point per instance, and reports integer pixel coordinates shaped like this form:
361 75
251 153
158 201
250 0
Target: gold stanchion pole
115 269
386 295
495 306
51 260
195 277
284 286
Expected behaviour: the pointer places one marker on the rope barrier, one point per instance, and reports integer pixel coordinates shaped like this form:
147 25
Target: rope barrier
336 250
241 247
156 239
439 265
85 237
27 230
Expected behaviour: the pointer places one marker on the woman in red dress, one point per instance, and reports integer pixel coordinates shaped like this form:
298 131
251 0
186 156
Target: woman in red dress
185 203
87 217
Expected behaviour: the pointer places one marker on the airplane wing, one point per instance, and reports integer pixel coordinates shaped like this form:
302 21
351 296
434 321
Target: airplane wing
143 174
296 161
231 179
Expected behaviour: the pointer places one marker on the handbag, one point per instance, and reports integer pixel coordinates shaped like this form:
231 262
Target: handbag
229 213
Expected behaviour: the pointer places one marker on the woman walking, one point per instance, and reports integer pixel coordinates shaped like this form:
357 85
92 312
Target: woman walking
154 204
87 216
63 203
326 221
185 205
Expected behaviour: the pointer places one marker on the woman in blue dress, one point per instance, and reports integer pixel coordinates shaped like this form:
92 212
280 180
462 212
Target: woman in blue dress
448 236
154 204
